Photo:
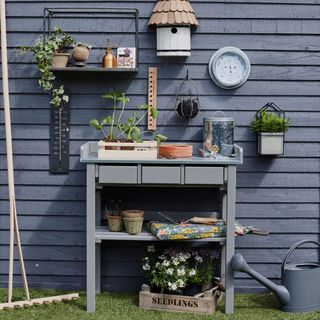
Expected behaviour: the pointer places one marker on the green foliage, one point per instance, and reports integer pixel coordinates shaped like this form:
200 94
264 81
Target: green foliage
177 268
129 129
43 52
270 122
83 45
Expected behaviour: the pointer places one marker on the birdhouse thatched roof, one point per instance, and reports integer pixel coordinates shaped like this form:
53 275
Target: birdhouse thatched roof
173 12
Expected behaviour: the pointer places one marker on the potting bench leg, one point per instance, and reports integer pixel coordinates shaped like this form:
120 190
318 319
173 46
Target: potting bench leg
98 244
229 247
91 246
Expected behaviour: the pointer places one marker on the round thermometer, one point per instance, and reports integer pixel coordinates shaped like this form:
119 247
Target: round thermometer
229 67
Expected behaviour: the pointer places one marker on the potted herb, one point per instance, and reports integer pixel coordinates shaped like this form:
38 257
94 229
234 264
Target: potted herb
80 53
44 51
120 137
270 125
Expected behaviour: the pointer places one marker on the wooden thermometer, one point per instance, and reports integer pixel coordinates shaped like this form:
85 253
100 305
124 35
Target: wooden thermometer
152 97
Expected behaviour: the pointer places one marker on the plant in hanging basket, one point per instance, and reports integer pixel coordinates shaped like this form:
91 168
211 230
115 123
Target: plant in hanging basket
123 140
270 127
45 51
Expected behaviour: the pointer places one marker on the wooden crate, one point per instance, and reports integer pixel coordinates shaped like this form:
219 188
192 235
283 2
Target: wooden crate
205 304
147 150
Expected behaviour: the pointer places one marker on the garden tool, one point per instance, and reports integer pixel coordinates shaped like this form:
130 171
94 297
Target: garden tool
14 228
299 290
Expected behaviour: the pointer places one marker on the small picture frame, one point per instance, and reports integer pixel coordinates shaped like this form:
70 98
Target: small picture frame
126 57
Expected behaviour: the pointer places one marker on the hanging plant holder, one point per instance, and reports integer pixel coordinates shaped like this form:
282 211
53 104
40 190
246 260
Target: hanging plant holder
270 141
187 106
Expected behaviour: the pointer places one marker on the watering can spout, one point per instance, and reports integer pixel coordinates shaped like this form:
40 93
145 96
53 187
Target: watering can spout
238 263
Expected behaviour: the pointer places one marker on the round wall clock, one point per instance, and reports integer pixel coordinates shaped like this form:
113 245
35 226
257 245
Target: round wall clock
229 67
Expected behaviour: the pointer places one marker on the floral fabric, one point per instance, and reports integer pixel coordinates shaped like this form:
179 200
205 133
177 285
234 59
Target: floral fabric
186 231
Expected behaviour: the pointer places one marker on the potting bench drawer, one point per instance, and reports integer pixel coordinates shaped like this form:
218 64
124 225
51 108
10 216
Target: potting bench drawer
204 175
118 174
159 175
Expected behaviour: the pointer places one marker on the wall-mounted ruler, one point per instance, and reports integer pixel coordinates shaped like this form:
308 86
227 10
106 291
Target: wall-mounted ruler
59 139
152 97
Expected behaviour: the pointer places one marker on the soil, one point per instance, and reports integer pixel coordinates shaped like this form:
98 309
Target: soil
118 140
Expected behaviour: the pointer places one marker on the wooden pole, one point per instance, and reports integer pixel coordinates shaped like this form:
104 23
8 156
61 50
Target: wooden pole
7 116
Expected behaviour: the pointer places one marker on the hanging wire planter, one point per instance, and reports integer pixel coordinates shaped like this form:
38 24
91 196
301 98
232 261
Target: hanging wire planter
270 124
187 106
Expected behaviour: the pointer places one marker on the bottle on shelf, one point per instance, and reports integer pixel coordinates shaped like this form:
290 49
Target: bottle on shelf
109 60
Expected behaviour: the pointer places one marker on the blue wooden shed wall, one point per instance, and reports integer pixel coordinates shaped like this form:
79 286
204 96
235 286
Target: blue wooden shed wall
280 194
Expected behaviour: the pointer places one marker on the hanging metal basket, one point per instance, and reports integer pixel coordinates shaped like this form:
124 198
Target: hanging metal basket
270 143
187 106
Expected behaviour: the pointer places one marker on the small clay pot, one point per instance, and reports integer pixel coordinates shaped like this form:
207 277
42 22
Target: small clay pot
133 225
60 59
133 213
115 223
80 54
172 151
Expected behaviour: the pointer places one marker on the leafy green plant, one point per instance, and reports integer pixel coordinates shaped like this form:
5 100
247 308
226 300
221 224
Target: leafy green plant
177 268
270 122
129 129
43 52
82 45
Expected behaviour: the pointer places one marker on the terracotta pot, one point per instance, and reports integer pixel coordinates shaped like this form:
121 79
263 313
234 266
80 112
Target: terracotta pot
133 213
80 54
172 151
115 223
60 60
133 225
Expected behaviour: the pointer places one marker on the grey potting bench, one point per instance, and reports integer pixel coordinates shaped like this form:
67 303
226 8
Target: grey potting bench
198 171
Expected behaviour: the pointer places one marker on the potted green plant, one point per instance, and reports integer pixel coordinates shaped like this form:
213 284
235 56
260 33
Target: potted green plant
177 273
80 53
44 51
124 139
270 127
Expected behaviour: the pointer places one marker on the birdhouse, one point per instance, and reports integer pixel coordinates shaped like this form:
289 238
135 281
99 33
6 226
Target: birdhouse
173 20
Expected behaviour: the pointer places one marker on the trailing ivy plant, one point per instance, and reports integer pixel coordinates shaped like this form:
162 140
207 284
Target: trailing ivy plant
43 52
270 122
129 130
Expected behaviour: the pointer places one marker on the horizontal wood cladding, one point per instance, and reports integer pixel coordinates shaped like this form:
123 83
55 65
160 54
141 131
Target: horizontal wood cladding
280 195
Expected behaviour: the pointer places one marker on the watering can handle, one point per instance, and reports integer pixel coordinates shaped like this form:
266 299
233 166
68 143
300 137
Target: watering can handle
295 246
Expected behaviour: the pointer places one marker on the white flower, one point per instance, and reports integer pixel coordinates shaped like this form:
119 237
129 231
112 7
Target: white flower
198 259
175 261
169 284
192 272
180 283
181 272
166 263
174 287
162 257
146 267
151 248
169 271
182 258
157 264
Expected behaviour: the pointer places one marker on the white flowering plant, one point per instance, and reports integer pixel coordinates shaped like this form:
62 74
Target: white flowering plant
177 268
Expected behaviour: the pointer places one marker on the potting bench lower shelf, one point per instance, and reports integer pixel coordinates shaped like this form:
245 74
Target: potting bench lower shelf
197 171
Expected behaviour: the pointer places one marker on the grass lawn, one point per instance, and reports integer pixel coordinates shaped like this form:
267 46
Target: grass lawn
124 307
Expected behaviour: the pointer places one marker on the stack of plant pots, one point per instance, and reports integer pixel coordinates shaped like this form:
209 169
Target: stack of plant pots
130 220
133 220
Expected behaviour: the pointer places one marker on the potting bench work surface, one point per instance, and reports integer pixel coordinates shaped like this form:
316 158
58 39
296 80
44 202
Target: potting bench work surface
195 172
